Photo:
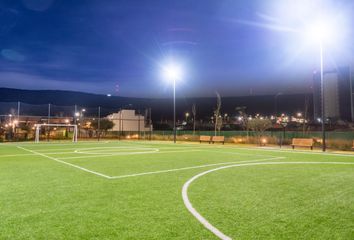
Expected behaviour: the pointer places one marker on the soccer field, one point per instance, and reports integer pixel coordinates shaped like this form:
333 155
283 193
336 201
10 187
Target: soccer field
160 190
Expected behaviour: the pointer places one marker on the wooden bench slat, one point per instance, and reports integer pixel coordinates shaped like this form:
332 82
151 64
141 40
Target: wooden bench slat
218 139
204 139
302 142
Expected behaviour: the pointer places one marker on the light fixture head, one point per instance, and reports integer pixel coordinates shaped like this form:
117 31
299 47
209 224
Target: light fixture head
172 72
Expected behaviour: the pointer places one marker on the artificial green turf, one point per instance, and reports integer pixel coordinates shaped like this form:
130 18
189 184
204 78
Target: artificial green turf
44 199
279 201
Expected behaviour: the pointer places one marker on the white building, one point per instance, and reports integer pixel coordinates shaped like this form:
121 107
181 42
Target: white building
128 121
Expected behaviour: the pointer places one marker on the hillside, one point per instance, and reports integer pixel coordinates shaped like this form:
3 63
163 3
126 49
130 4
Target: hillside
161 108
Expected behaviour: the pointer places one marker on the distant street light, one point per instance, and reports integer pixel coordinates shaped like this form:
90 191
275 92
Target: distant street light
173 73
187 115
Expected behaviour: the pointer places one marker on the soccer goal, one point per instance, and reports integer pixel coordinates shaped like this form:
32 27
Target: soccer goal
48 128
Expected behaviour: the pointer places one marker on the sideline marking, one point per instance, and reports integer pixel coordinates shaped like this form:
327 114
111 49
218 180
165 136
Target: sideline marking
33 154
187 168
17 155
205 222
290 151
238 147
110 150
28 144
70 164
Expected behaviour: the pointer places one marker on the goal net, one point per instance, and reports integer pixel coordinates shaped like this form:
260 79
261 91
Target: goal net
55 131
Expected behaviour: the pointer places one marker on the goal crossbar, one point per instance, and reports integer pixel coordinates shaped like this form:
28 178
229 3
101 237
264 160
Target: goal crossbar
39 126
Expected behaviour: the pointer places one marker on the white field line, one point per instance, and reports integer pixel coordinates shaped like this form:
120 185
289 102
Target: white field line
288 151
109 150
205 222
32 144
194 167
158 152
17 155
49 150
125 153
144 173
99 150
237 153
70 164
33 154
253 148
45 150
300 151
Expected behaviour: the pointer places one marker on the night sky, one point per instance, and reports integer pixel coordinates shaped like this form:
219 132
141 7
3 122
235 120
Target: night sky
119 47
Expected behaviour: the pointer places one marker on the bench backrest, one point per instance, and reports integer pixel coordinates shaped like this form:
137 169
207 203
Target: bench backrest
302 141
204 138
218 139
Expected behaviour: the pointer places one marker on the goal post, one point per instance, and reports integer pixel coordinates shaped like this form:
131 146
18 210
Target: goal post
38 128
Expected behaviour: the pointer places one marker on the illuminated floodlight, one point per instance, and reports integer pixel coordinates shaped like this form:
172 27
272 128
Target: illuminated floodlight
321 31
172 72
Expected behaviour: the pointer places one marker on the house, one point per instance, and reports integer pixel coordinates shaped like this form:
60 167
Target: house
128 121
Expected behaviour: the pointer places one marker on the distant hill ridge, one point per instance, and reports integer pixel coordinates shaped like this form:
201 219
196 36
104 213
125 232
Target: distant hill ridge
161 108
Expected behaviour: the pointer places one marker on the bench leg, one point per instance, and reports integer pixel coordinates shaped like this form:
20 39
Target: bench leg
311 147
293 147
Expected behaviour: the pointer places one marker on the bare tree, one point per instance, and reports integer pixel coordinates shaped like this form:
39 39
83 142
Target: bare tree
217 113
194 112
219 123
243 118
306 110
259 126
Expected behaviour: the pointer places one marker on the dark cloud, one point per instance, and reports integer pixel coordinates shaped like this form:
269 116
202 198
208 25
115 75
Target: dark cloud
229 46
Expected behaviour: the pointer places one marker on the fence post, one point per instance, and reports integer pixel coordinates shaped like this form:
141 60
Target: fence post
99 123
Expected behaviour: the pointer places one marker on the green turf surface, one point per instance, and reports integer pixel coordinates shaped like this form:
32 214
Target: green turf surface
132 190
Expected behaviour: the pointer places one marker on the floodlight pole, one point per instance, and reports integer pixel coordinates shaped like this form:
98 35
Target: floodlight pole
323 101
174 111
48 113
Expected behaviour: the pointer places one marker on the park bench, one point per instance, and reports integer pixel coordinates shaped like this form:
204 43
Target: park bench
218 139
204 139
353 145
302 142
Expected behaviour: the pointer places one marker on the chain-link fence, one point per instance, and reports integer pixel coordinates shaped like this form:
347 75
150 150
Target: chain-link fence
18 121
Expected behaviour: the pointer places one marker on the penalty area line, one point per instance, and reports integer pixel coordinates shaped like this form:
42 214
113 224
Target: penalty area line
101 155
63 162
